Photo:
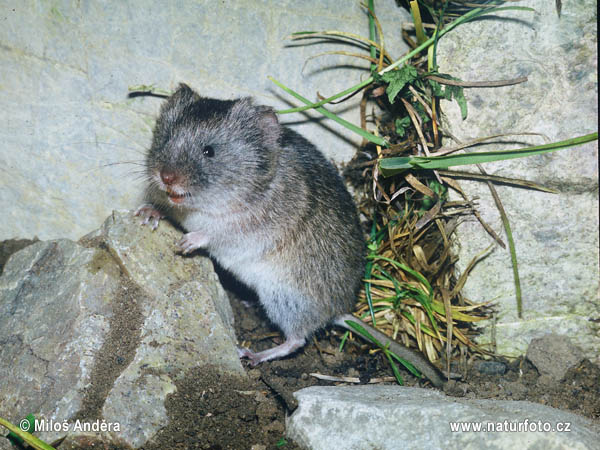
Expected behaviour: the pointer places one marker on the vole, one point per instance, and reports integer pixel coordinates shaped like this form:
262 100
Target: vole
268 206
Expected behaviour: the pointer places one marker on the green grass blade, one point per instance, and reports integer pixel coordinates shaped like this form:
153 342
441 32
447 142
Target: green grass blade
363 332
515 267
405 363
370 137
511 248
372 247
395 370
389 354
416 14
33 441
392 166
407 269
425 299
316 105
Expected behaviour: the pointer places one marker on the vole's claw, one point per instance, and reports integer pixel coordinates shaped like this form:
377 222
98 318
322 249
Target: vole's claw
149 214
253 358
191 241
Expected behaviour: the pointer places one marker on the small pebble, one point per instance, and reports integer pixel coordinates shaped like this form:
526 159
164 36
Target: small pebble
490 367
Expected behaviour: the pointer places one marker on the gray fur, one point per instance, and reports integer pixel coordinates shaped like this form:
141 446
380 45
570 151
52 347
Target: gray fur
274 211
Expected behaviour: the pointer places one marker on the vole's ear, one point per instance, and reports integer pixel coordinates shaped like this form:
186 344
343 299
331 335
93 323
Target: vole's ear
269 125
184 92
261 118
183 96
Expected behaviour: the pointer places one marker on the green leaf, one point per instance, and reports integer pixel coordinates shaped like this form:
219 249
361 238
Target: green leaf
392 166
397 79
436 89
402 125
449 92
457 93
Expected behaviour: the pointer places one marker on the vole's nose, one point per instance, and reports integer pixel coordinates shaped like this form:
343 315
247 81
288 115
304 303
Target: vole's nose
168 177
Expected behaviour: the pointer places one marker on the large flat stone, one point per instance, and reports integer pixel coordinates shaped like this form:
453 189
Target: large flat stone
394 417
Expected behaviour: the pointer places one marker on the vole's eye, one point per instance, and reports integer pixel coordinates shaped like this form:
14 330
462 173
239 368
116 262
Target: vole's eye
208 151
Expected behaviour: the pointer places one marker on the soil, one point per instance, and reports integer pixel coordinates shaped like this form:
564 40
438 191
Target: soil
238 415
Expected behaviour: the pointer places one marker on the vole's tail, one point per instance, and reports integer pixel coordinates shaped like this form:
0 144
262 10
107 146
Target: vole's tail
424 366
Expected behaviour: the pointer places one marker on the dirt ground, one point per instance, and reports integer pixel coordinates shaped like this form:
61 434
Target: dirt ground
235 416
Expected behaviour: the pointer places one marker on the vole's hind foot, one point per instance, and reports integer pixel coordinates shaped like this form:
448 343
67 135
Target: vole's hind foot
192 241
289 346
149 214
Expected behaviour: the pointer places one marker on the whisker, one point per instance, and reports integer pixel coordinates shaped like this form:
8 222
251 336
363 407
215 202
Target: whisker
135 163
138 149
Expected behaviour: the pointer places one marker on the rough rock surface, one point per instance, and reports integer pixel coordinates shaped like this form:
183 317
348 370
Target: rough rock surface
553 355
64 304
392 417
556 235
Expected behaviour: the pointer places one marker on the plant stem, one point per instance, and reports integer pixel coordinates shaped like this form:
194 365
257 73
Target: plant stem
372 33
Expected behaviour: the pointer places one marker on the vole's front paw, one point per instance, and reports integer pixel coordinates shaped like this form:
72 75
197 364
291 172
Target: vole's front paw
149 214
192 241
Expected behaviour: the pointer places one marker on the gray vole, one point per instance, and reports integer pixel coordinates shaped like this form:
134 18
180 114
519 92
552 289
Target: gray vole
268 206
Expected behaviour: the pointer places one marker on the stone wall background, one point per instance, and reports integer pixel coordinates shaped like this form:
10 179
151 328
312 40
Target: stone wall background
65 69
556 235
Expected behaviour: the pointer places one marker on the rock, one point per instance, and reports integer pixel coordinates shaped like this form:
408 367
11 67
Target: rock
11 246
490 367
101 330
392 417
556 235
554 354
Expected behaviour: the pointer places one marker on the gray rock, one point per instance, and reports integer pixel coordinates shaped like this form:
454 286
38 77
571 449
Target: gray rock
490 367
394 417
556 235
10 246
101 329
554 354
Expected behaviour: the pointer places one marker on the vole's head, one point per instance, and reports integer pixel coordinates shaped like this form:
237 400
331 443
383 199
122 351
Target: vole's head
205 149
